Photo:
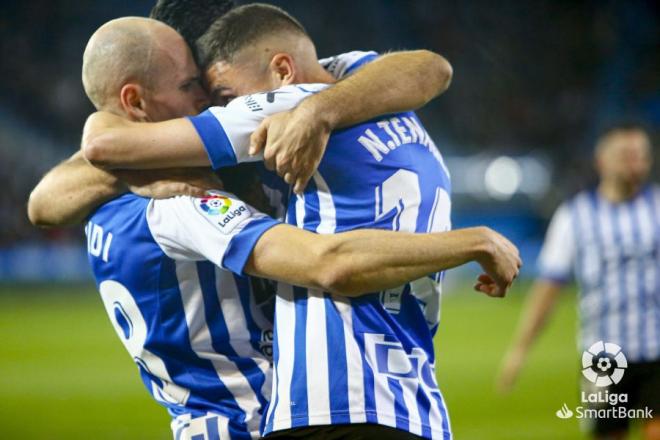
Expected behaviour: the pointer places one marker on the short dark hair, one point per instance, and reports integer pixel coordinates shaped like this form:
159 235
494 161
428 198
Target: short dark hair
190 18
241 26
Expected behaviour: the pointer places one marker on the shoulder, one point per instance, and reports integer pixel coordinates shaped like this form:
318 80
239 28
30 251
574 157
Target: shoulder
347 63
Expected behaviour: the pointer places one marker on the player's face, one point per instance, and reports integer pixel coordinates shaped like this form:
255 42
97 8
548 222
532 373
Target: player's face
177 91
626 158
226 81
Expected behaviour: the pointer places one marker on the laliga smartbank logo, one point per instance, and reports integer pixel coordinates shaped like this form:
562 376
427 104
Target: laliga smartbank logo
603 366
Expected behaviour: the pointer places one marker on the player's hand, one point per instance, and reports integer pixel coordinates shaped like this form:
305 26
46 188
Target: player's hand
501 263
164 183
509 370
293 144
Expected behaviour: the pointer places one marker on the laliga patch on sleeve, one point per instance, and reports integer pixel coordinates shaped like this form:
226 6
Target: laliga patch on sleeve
224 212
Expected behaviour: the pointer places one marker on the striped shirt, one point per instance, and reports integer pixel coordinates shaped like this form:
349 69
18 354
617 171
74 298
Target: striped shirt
169 273
612 249
369 359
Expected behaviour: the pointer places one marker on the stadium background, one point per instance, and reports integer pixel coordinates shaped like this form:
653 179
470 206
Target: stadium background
533 84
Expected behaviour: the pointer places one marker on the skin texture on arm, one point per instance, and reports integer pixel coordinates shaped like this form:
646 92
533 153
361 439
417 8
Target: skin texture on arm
110 142
293 142
69 193
355 262
538 307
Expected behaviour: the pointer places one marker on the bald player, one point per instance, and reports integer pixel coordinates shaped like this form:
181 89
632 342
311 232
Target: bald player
609 239
170 271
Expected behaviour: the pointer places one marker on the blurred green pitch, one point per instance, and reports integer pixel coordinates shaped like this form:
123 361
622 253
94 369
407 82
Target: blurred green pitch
64 373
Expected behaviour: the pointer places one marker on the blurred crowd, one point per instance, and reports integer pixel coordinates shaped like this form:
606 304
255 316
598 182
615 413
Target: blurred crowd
528 76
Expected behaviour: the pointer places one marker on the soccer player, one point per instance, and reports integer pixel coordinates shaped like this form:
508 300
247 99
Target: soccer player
366 362
609 238
186 323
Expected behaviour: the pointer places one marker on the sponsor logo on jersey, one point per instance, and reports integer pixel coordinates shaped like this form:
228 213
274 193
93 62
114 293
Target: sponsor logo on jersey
224 212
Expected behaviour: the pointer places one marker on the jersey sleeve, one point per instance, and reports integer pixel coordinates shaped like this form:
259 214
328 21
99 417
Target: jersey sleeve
342 65
218 227
225 131
558 253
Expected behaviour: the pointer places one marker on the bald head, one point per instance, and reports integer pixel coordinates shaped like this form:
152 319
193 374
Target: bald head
128 49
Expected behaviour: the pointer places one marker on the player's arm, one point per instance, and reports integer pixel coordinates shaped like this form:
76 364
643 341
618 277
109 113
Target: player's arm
110 141
68 193
534 316
355 262
294 142
555 263
233 235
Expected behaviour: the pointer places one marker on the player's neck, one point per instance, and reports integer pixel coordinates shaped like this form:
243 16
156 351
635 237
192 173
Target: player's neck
617 192
316 74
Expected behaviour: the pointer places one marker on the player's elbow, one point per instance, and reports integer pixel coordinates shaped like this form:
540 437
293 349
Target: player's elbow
338 275
37 212
95 150
440 73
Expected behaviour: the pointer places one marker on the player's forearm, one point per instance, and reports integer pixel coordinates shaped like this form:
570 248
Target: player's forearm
357 262
537 309
395 82
370 260
69 192
112 142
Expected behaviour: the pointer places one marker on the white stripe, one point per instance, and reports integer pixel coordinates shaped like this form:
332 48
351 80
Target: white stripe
610 253
630 272
286 322
589 266
327 211
237 326
410 399
383 396
649 240
316 355
355 373
200 340
300 210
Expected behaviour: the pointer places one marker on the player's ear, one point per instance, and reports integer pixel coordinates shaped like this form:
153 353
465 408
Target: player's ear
283 68
132 101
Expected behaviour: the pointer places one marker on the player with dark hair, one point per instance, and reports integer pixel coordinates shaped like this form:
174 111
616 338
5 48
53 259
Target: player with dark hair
190 18
608 238
366 365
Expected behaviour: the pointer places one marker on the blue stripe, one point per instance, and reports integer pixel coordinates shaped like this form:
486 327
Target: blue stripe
217 397
604 309
361 62
617 230
424 408
312 207
641 282
299 416
650 195
338 373
212 428
446 434
400 410
241 245
220 336
369 383
215 140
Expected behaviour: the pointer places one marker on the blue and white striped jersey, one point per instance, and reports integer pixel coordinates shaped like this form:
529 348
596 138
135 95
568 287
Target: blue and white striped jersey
169 273
369 359
613 250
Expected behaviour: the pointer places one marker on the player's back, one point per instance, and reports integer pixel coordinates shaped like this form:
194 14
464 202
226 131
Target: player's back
188 325
368 359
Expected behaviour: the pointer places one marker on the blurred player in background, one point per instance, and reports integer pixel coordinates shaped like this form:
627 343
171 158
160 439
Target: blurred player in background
609 238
